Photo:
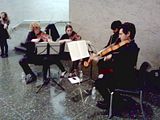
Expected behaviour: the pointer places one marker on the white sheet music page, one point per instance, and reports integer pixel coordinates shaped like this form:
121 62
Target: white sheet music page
41 48
74 80
54 47
78 50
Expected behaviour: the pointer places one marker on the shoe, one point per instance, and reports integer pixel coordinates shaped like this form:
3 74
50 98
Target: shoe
63 74
30 78
72 74
3 56
102 104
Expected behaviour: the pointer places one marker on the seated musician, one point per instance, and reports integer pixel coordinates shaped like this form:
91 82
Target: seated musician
36 35
120 71
73 36
115 27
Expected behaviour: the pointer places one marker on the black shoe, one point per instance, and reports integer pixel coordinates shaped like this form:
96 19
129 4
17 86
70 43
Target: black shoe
63 74
30 78
3 56
102 104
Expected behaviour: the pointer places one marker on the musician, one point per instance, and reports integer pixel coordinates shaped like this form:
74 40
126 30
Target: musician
73 36
120 71
4 35
36 35
115 27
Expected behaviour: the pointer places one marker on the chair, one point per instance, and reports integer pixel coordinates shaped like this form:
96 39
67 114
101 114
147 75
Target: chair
136 90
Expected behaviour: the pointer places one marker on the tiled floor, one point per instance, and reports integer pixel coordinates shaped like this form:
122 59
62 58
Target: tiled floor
19 101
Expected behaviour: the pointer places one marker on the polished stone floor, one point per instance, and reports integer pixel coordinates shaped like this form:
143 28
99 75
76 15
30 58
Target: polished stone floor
19 101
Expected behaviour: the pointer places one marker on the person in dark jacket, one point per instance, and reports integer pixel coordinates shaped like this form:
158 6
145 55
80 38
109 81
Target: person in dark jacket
36 35
120 71
4 35
115 27
73 36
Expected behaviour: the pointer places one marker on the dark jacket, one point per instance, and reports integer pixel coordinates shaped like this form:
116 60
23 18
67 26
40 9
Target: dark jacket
3 32
124 63
31 35
113 38
65 36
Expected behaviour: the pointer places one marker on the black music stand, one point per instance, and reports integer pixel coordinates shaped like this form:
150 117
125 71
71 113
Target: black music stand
48 49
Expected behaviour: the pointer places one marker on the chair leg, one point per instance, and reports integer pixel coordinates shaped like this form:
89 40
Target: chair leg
141 104
110 106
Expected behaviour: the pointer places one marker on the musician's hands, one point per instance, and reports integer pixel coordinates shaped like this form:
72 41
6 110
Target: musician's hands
35 40
5 26
50 40
94 57
108 57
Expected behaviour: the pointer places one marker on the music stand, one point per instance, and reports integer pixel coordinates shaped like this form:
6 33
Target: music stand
78 50
47 49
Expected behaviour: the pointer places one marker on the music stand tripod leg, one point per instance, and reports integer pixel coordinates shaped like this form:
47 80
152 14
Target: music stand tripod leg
49 78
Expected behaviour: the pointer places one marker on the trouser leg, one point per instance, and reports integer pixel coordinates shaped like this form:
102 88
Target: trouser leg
6 47
24 64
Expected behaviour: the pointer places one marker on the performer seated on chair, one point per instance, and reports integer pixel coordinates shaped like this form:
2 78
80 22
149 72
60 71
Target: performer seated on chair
114 38
120 63
36 35
73 36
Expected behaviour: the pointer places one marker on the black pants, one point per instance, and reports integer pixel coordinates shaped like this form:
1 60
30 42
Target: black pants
46 61
4 47
66 56
103 84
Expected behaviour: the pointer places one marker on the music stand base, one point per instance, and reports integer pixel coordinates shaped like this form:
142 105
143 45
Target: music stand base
49 79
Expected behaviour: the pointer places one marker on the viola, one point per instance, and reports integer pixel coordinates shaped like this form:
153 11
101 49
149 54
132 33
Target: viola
106 51
75 37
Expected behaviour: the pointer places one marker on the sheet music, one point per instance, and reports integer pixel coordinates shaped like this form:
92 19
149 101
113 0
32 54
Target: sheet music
41 48
54 47
78 49
74 80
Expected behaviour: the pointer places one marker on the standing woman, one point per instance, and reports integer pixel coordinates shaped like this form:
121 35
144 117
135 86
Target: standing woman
4 35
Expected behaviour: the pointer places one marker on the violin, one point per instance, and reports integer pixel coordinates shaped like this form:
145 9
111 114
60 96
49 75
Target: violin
43 36
75 37
106 51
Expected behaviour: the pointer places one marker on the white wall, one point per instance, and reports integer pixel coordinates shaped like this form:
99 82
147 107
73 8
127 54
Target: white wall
92 19
50 10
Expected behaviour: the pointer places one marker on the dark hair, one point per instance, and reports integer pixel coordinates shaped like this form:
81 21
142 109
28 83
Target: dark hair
6 19
129 27
68 26
116 24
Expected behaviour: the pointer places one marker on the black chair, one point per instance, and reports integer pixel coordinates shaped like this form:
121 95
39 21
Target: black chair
138 89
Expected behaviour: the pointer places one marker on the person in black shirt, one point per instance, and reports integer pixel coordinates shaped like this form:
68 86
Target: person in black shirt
36 35
73 36
4 35
115 27
120 71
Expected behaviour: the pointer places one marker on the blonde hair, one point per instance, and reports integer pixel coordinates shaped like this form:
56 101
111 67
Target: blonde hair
35 25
